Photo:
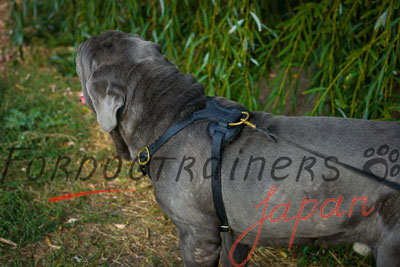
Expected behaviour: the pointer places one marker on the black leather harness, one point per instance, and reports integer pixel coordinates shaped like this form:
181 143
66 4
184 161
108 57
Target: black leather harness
224 127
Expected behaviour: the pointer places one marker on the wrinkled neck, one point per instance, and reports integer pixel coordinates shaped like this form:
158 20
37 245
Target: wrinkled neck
161 97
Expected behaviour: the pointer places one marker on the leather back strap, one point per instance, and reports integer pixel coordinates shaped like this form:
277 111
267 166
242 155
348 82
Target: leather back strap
216 158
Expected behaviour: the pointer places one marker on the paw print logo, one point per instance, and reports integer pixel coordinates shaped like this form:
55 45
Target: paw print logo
381 162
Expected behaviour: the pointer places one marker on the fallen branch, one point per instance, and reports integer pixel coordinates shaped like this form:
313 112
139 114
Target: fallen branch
8 242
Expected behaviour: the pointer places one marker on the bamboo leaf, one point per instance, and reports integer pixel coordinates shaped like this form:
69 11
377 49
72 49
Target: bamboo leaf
256 20
382 19
318 89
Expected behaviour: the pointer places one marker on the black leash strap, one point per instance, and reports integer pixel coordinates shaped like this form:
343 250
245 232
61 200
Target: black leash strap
274 138
356 170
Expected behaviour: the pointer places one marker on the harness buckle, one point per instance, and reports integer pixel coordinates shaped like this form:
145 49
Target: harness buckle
244 120
143 163
225 228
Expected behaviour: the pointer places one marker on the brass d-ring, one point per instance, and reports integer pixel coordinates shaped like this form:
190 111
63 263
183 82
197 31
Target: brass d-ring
243 120
148 156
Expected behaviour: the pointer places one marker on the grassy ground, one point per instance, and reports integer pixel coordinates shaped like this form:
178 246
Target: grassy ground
40 109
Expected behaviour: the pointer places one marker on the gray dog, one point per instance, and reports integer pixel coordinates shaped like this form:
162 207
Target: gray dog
325 180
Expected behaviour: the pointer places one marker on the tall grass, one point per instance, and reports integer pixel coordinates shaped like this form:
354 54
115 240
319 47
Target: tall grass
348 48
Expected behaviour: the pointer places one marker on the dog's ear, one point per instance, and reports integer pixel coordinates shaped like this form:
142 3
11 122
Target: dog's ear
107 94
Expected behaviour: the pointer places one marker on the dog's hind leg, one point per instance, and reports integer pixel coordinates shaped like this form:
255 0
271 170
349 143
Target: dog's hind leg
200 246
387 248
239 254
388 251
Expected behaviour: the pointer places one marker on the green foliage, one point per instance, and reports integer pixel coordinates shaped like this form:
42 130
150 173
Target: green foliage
38 111
19 120
334 256
350 48
24 220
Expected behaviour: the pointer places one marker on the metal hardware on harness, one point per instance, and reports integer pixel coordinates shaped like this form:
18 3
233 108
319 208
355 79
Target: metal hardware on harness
254 126
143 163
226 228
244 120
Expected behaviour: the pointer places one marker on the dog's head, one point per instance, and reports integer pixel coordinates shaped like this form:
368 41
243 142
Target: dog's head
104 64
